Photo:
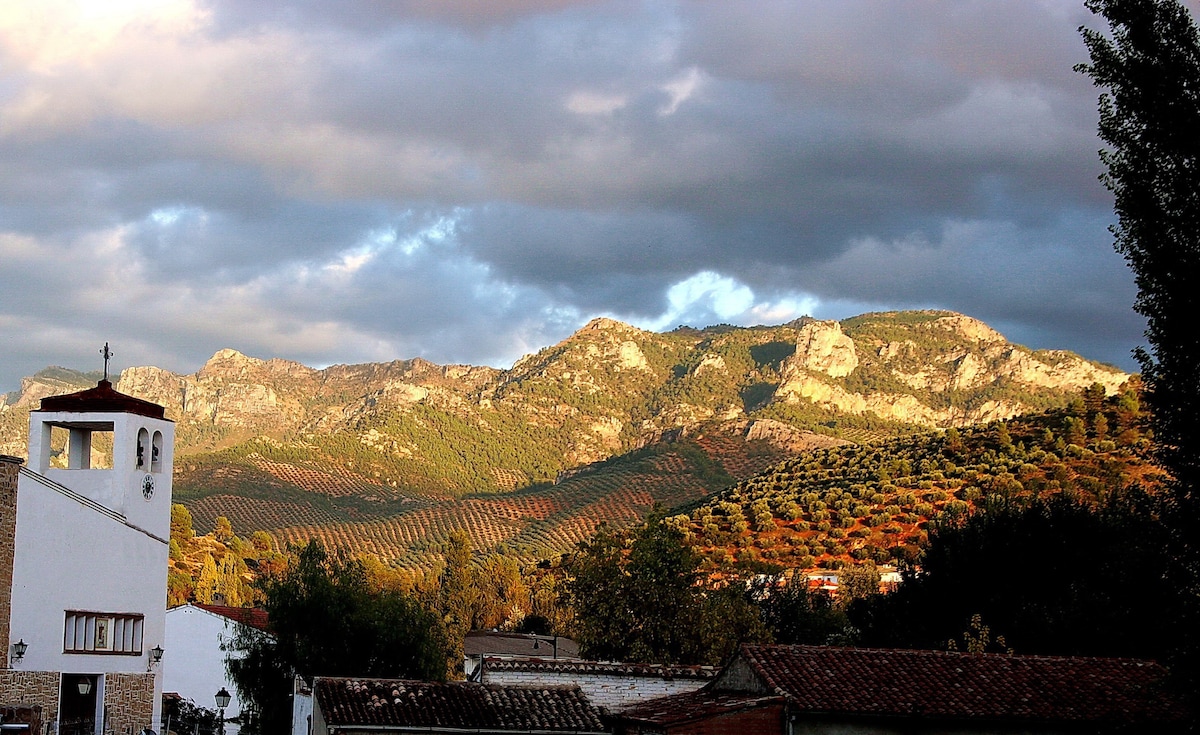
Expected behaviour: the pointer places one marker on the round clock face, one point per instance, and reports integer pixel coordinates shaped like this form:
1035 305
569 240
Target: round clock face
148 487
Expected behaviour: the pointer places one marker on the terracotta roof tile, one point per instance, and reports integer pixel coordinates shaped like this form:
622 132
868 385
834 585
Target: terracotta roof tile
604 668
950 685
102 399
461 705
698 705
251 616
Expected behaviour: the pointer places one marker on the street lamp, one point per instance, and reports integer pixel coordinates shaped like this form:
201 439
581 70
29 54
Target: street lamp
19 649
222 698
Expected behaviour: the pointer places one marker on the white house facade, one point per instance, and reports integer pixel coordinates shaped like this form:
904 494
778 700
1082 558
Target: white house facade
84 535
195 667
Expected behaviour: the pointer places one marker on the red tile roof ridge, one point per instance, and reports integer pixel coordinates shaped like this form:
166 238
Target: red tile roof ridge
678 709
616 668
422 682
959 685
374 703
963 654
102 399
255 617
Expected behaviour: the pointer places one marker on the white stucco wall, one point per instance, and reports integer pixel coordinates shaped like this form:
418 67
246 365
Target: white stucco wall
606 691
71 554
119 488
194 664
302 708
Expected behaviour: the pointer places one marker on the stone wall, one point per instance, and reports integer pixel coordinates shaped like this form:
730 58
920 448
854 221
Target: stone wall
9 470
31 687
129 703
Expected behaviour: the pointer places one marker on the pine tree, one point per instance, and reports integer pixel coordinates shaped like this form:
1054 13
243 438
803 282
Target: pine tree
207 582
1149 117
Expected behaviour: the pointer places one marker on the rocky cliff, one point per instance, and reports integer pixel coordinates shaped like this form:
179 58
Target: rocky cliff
609 386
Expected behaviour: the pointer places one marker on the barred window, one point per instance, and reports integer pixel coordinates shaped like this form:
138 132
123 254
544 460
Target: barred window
95 632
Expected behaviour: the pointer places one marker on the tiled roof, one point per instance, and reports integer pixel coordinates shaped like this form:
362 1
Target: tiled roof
698 705
102 399
251 616
600 668
348 703
518 644
950 685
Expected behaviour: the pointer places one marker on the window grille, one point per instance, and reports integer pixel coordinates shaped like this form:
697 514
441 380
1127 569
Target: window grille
95 632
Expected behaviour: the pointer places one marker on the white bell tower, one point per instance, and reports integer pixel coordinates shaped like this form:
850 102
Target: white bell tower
137 484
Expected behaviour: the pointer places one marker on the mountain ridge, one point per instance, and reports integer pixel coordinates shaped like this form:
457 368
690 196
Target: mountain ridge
375 443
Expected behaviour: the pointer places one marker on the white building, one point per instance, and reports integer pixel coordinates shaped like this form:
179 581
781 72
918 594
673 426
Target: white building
83 562
195 668
609 685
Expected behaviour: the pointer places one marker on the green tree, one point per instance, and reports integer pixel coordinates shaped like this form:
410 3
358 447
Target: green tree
327 620
503 595
1149 65
181 523
857 583
223 530
643 603
262 542
208 580
795 614
458 597
1056 576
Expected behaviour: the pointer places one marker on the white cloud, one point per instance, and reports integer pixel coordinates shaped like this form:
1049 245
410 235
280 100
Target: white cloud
708 297
680 90
595 103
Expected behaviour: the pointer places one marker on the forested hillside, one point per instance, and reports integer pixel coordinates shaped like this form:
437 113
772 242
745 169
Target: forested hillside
874 502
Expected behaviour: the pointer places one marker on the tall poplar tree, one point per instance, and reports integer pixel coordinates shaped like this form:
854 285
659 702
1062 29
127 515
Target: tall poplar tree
1149 65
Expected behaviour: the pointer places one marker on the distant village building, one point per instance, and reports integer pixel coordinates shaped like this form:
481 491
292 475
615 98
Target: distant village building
353 706
479 644
196 635
84 535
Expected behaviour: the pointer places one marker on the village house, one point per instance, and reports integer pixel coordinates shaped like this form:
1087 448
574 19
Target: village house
610 685
349 706
818 689
196 635
84 534
480 644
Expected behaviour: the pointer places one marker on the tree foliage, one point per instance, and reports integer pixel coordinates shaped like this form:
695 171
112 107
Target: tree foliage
637 598
1149 67
1149 117
1055 576
793 613
327 619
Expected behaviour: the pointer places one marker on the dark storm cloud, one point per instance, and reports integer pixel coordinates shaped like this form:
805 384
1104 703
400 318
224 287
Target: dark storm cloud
336 182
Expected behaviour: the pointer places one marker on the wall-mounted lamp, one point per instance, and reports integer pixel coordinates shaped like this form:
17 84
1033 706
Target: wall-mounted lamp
84 685
156 654
19 649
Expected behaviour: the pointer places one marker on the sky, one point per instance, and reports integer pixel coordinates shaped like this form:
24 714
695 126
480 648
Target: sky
468 182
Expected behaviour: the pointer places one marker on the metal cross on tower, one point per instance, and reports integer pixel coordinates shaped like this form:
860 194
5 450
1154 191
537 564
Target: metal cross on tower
107 355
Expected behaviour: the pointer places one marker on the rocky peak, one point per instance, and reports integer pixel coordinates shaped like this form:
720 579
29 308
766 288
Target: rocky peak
967 328
228 363
821 346
604 324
